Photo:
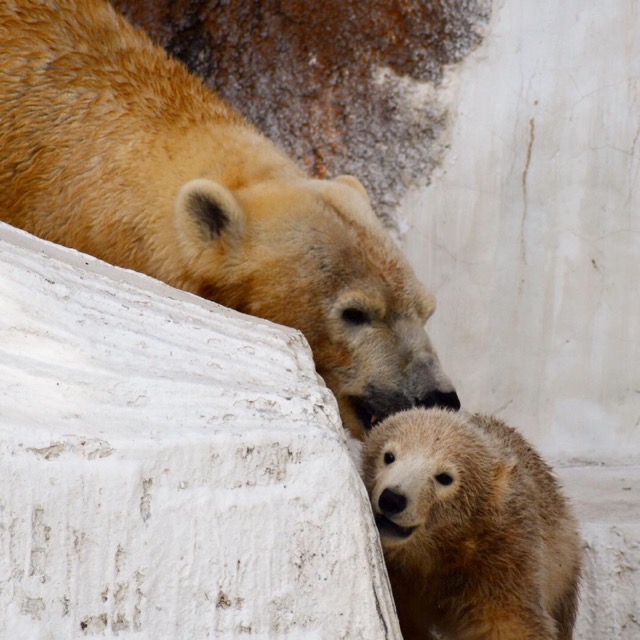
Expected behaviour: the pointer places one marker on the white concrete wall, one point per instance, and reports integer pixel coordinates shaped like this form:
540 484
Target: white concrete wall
607 502
530 233
169 469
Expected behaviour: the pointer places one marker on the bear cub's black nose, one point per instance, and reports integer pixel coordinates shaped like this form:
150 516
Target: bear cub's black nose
391 502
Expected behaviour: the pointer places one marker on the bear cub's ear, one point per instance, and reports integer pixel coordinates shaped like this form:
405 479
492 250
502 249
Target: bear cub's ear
208 211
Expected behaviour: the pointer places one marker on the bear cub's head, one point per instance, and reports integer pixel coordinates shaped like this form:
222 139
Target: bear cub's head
312 255
431 474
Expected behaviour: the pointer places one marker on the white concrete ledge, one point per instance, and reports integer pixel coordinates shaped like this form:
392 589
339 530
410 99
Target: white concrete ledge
169 468
607 502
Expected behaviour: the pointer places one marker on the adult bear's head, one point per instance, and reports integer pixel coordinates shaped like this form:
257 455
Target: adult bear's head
311 254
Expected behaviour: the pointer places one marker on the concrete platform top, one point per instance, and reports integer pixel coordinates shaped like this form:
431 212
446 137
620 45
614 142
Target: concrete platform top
603 494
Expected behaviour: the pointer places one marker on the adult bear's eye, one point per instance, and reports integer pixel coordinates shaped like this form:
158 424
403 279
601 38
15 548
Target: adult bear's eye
389 457
355 316
444 479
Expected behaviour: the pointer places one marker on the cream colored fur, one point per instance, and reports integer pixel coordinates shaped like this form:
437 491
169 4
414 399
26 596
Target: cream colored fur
109 146
489 548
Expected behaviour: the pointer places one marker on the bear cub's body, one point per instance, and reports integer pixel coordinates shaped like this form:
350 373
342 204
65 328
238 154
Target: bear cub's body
478 539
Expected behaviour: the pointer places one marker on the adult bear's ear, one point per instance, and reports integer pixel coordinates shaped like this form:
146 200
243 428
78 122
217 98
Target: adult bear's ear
206 211
354 183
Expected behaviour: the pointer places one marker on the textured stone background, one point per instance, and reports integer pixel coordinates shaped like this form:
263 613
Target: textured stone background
328 80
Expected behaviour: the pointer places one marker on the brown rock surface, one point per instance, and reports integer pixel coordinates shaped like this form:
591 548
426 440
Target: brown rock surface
307 73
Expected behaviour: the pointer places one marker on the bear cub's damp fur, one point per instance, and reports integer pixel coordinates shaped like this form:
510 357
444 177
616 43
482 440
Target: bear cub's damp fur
479 541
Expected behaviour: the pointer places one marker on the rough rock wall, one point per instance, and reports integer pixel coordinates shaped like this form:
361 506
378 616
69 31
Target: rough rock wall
337 83
169 468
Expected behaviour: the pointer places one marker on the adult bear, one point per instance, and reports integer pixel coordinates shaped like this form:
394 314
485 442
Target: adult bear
109 146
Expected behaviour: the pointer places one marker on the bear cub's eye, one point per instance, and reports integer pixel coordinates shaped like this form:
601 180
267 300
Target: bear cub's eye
355 316
389 457
444 479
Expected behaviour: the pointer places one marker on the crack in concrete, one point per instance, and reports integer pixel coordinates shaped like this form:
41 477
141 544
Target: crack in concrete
525 195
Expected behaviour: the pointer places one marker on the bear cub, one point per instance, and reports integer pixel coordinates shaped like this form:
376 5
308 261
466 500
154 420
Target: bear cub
479 541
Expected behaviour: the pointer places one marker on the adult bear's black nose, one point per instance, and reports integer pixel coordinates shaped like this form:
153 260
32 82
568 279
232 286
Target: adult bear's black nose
391 502
442 399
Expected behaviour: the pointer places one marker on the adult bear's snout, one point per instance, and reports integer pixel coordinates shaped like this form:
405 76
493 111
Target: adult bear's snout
441 399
